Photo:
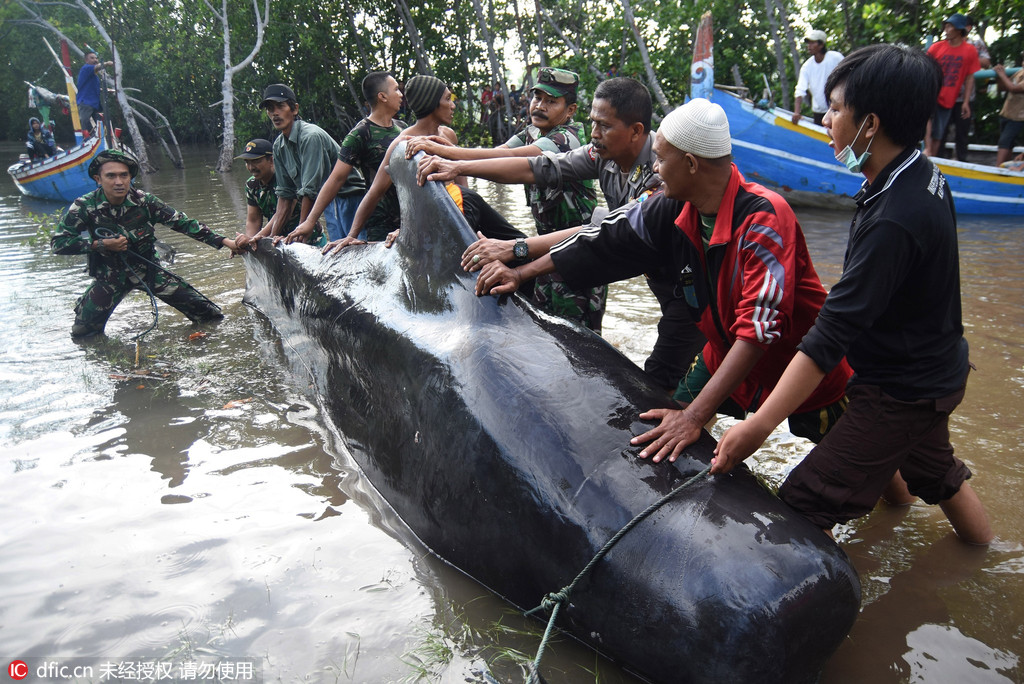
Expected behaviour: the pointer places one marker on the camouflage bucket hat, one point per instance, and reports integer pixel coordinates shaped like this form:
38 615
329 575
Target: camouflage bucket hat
113 156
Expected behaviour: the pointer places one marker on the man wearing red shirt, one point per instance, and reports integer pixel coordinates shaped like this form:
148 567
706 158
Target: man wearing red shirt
959 61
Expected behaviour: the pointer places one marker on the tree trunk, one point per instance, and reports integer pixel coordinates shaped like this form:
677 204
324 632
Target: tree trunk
652 78
422 65
357 38
492 57
523 43
791 42
780 54
541 51
572 45
122 98
176 159
227 88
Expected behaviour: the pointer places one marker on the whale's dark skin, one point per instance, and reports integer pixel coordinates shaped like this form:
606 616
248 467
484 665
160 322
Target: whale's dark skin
501 437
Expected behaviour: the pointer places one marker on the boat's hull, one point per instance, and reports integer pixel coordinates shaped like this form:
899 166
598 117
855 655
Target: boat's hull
62 177
796 161
501 437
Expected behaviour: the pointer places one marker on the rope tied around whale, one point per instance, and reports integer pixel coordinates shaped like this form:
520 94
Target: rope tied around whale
554 601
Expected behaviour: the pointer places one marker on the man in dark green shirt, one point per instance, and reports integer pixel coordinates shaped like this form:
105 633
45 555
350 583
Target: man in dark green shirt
363 149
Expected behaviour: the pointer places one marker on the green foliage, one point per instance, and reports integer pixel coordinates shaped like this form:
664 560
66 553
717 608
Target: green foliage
46 225
173 53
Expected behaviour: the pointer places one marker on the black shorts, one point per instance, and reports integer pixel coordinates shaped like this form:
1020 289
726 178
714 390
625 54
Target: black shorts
844 476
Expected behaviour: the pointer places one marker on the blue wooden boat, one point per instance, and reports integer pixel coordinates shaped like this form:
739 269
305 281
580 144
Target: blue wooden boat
796 161
62 177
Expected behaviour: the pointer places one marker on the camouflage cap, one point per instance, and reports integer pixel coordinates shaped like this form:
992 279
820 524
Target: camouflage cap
113 156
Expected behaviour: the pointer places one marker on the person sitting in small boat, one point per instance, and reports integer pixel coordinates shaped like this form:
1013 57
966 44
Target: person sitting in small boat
40 142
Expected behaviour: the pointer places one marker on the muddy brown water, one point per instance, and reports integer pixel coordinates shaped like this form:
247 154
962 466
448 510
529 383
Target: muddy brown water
198 508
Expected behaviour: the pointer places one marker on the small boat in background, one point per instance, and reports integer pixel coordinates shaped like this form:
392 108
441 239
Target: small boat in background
64 176
796 161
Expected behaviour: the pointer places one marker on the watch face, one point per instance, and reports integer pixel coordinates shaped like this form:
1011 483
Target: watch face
520 250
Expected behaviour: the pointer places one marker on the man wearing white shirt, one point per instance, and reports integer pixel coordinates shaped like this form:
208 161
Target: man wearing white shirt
813 75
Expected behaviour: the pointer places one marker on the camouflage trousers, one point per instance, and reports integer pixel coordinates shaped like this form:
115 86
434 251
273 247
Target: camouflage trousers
99 301
586 307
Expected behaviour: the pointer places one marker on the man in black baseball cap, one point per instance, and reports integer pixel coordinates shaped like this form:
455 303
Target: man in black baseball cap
277 92
304 155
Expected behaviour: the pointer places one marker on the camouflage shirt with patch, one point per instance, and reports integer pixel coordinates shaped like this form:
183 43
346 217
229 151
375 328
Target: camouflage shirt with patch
134 218
574 201
264 198
364 148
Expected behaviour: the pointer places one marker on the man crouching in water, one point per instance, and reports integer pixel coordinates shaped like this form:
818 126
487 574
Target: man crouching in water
113 224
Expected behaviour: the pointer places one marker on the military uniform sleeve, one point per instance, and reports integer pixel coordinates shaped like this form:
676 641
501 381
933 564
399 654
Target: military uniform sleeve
72 235
179 222
552 170
352 147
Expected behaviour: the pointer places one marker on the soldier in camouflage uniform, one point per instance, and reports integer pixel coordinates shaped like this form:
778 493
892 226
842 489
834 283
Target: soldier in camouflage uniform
260 197
364 148
568 206
114 226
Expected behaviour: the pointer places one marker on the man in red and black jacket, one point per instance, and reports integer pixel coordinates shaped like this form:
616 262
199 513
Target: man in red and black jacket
735 252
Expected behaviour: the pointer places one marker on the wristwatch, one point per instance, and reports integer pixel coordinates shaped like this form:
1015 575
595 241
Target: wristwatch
521 249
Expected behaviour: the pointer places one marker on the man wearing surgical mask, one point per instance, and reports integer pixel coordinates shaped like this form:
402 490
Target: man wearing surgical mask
894 315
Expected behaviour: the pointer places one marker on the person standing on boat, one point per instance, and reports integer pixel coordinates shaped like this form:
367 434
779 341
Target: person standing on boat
744 273
620 157
261 196
1011 117
113 225
958 60
962 126
40 142
362 151
895 314
813 74
553 130
304 155
90 105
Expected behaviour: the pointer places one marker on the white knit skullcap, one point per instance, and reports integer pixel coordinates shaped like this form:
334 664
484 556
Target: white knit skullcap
699 127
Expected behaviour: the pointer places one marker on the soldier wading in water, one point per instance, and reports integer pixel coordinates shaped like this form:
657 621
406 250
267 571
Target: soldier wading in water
113 224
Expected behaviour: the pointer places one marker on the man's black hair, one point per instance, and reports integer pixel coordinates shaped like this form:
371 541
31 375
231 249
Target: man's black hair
869 77
629 97
375 82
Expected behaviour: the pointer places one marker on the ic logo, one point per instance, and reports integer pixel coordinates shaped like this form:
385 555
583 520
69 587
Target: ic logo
17 669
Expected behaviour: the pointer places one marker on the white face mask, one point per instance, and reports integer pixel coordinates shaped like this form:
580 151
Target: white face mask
849 157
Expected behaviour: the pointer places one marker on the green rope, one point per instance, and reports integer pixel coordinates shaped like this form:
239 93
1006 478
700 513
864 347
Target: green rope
554 601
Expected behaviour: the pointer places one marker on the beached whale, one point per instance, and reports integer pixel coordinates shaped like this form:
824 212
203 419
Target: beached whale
501 436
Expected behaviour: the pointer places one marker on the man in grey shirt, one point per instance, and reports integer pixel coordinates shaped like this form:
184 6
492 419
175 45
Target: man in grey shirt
621 159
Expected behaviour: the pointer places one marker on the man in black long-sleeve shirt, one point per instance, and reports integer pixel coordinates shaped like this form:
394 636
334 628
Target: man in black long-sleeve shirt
895 314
